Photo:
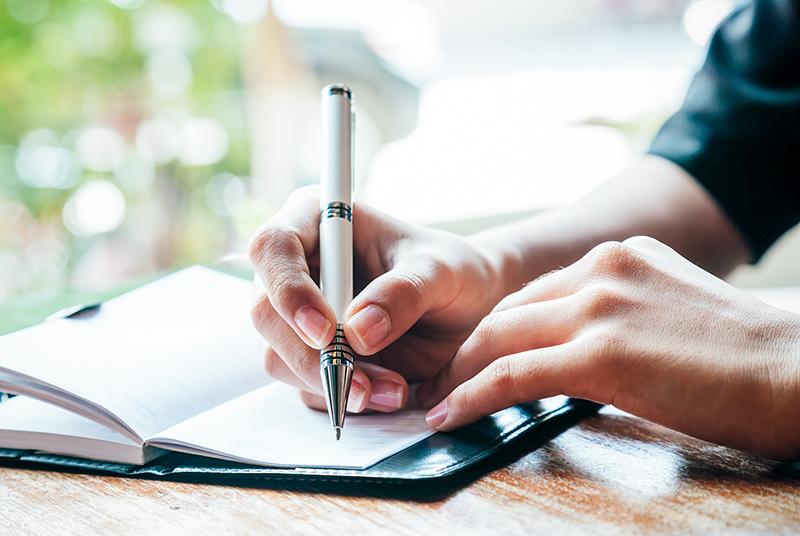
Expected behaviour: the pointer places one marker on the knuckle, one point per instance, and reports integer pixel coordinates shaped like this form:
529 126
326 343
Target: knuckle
255 248
433 264
461 397
605 250
510 301
485 334
280 233
267 239
414 274
306 364
607 348
410 285
617 259
603 301
503 379
286 290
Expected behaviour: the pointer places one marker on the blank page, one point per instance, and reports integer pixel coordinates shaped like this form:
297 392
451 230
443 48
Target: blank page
154 356
29 424
271 426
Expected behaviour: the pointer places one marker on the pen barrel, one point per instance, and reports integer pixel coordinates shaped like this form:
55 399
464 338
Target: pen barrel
336 181
337 145
336 262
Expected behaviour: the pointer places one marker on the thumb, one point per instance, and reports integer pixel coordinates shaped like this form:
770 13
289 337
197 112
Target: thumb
395 301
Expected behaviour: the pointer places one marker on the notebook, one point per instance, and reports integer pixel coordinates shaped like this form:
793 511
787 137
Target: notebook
166 382
174 366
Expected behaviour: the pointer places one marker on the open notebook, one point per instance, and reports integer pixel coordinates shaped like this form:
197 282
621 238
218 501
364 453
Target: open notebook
174 366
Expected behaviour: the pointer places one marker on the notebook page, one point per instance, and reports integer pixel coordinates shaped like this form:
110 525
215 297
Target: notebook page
152 357
271 426
28 424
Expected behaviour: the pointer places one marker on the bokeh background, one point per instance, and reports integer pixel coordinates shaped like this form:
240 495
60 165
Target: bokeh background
141 135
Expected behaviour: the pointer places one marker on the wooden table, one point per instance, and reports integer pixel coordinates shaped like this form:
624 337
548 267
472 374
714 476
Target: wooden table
611 474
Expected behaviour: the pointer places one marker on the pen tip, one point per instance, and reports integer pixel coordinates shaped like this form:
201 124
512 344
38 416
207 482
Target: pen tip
338 432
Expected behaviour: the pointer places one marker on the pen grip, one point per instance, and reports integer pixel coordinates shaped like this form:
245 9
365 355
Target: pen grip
336 263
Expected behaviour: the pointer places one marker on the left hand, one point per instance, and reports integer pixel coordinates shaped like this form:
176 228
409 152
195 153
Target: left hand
635 325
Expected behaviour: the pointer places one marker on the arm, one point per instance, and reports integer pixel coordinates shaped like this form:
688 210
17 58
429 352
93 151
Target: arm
652 197
736 135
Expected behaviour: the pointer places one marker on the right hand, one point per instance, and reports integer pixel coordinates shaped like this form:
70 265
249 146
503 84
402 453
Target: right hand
420 293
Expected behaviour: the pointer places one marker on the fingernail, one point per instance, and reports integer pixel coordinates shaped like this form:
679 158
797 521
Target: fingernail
313 323
370 325
388 395
437 415
355 400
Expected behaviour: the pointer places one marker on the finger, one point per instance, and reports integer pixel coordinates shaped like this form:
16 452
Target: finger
389 393
531 326
550 286
317 402
314 401
604 261
279 253
299 358
360 389
389 389
508 381
395 301
374 387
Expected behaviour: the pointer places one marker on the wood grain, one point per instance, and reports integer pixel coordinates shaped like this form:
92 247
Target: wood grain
613 473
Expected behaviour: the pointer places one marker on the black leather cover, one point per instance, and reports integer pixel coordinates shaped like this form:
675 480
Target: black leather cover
436 458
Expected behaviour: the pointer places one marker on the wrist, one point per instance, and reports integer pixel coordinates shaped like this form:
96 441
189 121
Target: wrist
504 261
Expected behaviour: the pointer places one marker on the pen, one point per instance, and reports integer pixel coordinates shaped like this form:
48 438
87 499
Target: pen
336 243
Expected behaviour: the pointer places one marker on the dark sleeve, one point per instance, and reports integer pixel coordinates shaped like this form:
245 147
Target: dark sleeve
738 131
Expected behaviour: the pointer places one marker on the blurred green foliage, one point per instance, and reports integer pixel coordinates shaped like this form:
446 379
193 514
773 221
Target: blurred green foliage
68 65
46 79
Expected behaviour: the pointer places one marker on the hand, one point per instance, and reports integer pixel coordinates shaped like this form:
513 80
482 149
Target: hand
635 325
420 293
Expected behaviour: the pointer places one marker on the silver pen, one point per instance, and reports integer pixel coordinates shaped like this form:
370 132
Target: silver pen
336 243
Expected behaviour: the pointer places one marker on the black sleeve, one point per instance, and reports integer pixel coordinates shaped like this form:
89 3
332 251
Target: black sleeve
738 131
